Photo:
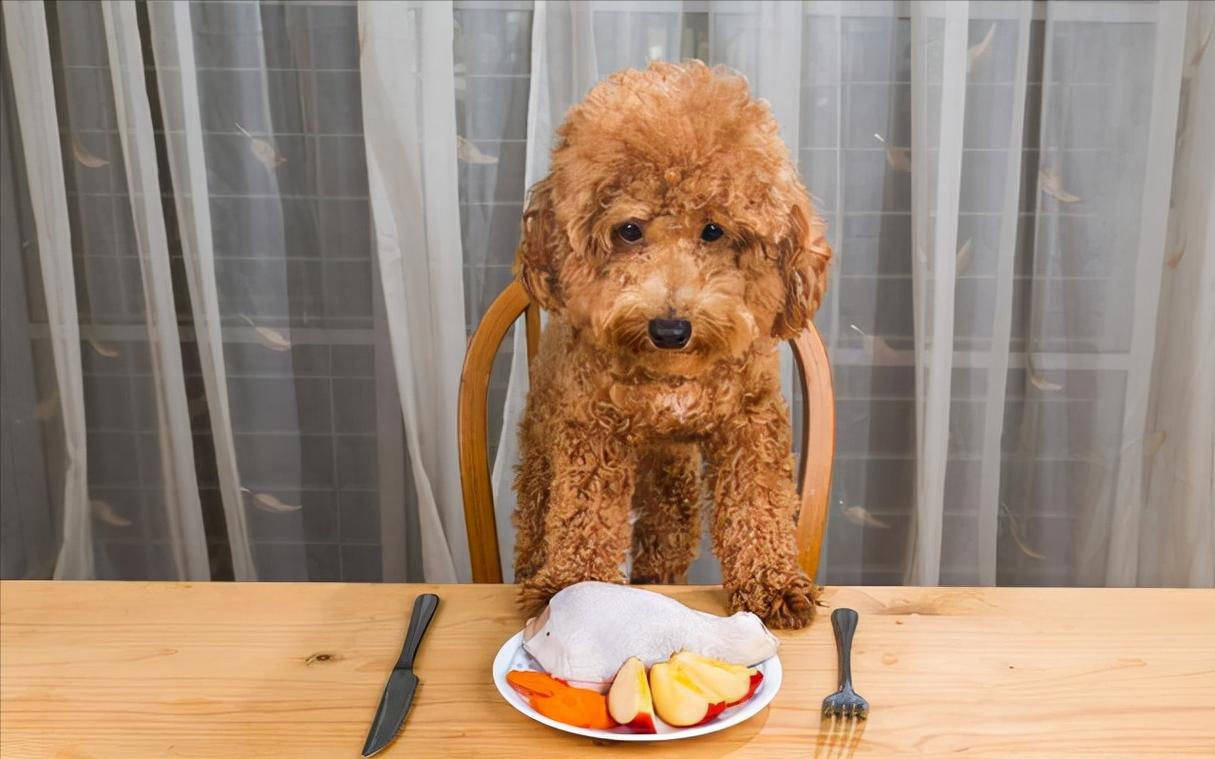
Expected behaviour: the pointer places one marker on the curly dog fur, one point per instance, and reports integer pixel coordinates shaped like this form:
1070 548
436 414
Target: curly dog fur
617 428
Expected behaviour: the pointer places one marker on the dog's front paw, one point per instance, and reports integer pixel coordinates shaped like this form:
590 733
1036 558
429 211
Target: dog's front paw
785 603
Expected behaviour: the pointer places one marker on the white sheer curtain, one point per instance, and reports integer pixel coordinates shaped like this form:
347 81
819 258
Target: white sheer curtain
990 274
255 378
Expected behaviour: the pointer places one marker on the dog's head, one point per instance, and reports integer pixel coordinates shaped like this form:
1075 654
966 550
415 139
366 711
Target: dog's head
672 227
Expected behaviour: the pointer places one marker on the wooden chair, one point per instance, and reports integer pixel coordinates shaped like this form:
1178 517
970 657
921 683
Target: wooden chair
818 433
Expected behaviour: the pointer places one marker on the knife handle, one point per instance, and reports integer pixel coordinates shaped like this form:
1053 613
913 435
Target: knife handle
423 611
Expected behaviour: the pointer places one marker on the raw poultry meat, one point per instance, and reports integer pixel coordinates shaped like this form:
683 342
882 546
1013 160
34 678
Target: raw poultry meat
588 630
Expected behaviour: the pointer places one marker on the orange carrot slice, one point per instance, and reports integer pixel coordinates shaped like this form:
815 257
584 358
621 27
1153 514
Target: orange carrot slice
560 701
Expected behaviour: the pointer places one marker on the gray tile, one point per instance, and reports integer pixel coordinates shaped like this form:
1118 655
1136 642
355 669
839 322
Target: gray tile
130 357
267 290
121 561
982 181
359 516
112 292
95 230
490 234
357 461
107 403
339 102
342 167
989 117
818 119
315 521
871 184
112 460
125 504
286 32
348 287
106 179
999 62
876 306
876 244
819 173
877 109
820 50
876 426
284 462
89 100
324 563
81 34
354 405
161 564
353 361
226 34
492 41
256 359
493 109
876 49
335 36
1081 246
234 169
246 227
346 228
228 97
498 182
279 405
883 486
283 562
362 564
151 460
861 382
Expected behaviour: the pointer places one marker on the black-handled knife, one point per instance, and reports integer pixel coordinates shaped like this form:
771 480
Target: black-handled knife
398 693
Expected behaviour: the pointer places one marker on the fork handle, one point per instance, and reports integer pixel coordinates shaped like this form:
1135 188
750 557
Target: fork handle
844 621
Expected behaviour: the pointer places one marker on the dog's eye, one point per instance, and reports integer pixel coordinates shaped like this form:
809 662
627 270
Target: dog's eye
629 232
711 232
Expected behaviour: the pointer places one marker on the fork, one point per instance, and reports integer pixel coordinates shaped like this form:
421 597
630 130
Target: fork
845 702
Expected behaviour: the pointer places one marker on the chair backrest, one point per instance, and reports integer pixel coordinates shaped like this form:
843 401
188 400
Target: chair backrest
818 433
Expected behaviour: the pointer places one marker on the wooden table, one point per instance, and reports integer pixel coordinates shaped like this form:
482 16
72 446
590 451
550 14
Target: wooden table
91 670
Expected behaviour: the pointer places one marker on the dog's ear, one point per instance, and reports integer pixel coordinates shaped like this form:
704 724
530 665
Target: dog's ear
802 256
540 247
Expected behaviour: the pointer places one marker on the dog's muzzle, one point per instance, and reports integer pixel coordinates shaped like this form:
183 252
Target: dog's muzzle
670 333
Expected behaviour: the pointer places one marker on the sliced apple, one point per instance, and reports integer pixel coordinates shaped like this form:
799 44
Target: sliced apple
680 701
629 700
730 683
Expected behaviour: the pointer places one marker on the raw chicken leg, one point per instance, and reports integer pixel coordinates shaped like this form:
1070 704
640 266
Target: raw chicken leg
589 629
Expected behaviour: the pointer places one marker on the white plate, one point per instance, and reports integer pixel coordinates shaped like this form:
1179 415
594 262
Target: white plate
512 656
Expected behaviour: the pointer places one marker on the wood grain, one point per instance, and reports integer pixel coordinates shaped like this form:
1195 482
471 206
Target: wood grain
136 670
818 432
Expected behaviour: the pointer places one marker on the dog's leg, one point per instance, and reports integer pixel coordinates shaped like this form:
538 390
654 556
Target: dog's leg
531 489
666 532
586 524
755 503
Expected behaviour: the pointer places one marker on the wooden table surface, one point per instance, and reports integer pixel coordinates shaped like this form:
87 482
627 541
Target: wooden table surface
91 670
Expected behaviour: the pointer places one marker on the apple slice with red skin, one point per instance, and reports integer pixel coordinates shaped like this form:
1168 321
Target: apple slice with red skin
730 683
679 701
629 700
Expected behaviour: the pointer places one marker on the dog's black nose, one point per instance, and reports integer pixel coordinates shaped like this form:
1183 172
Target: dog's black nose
670 333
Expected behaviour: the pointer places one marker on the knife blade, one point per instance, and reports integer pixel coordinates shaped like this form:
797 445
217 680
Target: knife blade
402 682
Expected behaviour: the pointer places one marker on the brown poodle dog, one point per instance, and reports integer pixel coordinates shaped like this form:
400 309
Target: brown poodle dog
674 247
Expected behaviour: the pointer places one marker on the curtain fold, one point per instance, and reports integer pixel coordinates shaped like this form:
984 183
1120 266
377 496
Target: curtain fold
1177 525
183 513
409 125
33 92
177 77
